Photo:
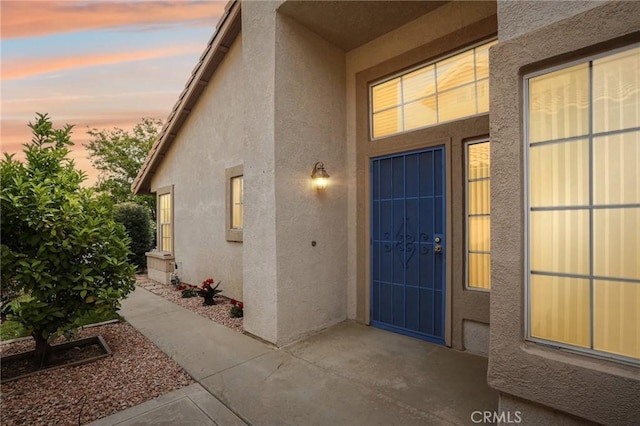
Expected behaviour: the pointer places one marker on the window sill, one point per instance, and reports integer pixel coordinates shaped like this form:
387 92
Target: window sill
583 359
234 235
165 255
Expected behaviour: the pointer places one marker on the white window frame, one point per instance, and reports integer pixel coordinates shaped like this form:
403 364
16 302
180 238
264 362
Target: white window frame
232 234
417 67
167 190
466 214
527 210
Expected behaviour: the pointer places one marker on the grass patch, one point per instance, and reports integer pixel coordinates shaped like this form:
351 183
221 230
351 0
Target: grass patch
92 318
13 329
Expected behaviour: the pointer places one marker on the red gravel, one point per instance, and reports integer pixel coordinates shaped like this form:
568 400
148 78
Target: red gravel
218 312
137 372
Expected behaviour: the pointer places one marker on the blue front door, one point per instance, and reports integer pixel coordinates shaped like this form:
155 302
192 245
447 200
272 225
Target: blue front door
408 243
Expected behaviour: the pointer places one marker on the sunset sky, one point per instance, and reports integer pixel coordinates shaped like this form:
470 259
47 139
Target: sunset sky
96 64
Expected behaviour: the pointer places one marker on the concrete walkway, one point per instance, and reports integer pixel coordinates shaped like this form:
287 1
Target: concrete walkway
347 375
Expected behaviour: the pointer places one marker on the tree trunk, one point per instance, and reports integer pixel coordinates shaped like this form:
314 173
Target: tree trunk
41 352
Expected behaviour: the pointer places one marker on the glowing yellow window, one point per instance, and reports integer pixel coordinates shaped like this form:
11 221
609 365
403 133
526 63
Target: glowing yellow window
234 203
165 237
478 206
237 211
583 144
450 89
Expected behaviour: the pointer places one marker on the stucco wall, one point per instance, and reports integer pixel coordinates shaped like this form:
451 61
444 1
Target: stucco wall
210 141
600 390
519 17
296 111
260 278
437 24
309 127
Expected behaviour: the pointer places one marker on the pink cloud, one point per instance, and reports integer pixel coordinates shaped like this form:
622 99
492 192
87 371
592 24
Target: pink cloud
14 136
15 133
30 67
39 18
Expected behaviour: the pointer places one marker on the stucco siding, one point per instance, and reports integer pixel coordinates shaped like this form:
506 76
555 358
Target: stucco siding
210 141
520 17
260 278
309 127
592 388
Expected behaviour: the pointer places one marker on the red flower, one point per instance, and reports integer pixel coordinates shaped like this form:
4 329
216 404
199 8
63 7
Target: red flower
240 305
233 302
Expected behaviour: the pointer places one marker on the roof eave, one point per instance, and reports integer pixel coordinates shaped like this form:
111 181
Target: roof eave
227 30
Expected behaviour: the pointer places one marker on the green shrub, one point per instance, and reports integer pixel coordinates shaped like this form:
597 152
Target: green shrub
136 220
189 292
61 250
236 312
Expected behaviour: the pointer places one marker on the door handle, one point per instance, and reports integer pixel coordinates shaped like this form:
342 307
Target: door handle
438 248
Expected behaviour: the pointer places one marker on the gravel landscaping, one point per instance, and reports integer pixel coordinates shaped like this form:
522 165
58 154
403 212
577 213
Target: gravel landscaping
218 312
136 372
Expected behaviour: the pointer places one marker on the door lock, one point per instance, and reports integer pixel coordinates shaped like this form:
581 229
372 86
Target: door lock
437 248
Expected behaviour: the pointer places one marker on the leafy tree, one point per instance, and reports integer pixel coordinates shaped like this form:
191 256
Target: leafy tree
135 219
118 155
61 248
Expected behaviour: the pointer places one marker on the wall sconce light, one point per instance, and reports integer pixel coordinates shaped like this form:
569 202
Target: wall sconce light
320 176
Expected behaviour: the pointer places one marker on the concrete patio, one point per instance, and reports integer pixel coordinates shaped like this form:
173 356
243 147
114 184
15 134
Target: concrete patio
348 374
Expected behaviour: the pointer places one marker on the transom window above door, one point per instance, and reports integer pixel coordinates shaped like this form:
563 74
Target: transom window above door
448 89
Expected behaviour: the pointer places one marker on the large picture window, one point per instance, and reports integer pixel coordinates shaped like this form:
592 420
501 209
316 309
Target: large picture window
478 209
446 90
583 155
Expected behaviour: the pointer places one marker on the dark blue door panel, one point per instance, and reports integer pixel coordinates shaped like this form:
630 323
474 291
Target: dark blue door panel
407 220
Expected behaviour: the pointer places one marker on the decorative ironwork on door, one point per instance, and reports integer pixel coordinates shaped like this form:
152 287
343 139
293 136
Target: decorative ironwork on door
405 242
